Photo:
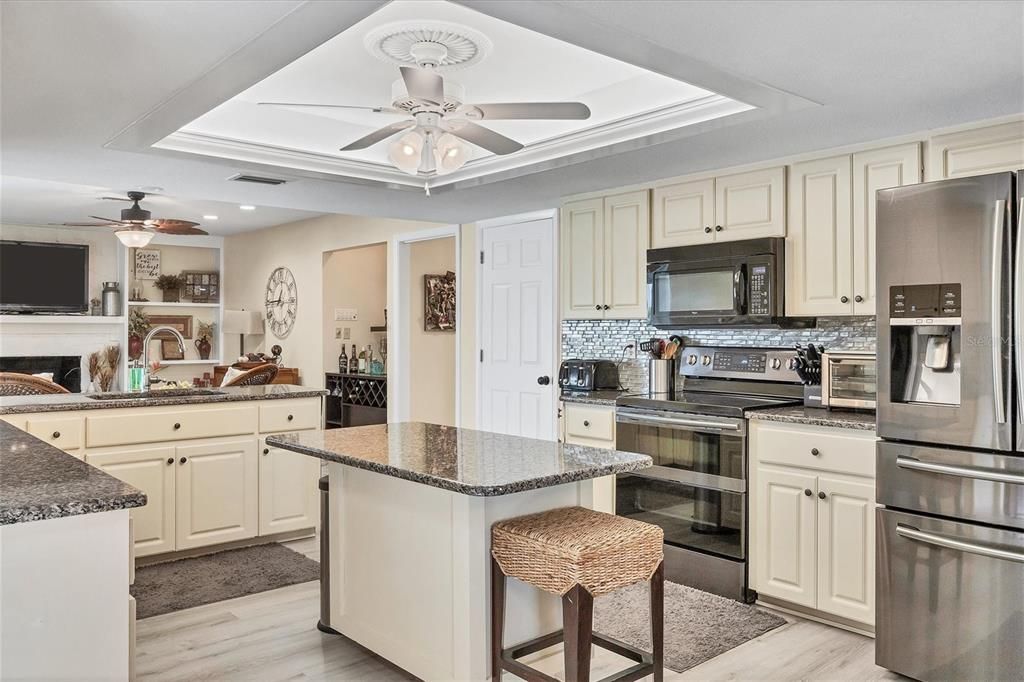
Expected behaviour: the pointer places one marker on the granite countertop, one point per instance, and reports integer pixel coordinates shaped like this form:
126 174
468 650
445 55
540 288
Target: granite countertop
817 416
461 460
79 401
603 397
38 481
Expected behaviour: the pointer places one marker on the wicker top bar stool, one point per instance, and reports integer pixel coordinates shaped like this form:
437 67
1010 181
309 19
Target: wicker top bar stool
16 383
578 554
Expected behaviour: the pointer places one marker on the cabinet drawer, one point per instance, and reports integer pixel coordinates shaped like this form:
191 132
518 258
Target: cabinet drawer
289 415
63 432
155 426
589 423
823 448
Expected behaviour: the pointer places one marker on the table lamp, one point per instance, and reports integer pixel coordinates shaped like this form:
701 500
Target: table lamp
243 322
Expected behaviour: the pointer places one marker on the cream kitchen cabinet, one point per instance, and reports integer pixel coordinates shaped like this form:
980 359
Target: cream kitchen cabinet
216 492
812 507
830 247
727 208
61 431
976 152
604 257
288 491
594 426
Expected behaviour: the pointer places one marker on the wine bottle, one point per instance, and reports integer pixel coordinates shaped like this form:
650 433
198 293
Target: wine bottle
362 362
353 361
343 360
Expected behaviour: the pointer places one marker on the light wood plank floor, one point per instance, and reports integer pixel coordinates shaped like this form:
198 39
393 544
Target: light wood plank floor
272 636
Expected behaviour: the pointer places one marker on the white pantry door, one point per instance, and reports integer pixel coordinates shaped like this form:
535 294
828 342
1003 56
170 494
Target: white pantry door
517 329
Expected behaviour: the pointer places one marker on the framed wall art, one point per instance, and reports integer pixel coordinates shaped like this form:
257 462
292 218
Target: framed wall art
170 350
439 302
183 323
201 286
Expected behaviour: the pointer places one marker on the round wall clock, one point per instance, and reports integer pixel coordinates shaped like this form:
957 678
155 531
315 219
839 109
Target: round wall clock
282 302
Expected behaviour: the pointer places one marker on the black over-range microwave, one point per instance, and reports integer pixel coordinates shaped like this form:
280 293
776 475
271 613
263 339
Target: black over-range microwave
738 283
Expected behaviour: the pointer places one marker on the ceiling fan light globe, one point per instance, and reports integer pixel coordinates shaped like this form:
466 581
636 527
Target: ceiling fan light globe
405 152
134 237
450 154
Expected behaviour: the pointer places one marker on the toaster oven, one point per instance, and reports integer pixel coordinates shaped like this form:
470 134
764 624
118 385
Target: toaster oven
849 379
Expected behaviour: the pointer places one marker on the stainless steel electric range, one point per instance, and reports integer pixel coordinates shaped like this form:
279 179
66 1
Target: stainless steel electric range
697 489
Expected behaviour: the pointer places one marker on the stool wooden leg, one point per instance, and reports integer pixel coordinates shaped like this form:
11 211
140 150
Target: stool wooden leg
658 621
578 624
497 618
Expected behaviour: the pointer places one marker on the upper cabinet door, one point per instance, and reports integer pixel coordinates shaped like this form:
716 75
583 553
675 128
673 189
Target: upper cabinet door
583 262
684 214
976 152
627 221
819 248
750 205
874 170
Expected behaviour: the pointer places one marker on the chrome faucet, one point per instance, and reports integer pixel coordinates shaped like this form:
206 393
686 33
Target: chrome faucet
145 348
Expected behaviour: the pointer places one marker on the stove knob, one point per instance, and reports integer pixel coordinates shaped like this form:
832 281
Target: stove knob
691 360
706 360
776 363
792 363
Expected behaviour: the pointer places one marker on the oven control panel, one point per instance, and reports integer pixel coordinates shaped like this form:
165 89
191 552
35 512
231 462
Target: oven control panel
734 361
760 282
752 364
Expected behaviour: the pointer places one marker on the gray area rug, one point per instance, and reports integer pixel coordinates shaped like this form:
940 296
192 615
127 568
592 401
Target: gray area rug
182 584
698 625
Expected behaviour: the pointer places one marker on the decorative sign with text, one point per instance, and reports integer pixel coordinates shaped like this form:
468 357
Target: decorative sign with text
147 263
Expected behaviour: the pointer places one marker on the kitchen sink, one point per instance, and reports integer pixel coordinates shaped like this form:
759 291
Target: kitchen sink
167 393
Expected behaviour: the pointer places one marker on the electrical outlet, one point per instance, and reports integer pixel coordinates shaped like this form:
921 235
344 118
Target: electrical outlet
337 333
348 333
629 351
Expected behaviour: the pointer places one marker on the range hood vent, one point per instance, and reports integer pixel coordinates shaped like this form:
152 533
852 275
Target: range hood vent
257 179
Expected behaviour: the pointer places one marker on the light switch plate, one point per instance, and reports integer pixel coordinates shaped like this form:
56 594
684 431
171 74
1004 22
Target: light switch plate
346 314
348 333
337 333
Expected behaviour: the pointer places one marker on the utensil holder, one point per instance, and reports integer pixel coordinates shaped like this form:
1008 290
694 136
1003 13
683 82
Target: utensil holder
661 380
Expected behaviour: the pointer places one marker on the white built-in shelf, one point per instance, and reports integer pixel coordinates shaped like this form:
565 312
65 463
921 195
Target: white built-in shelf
160 304
61 319
211 361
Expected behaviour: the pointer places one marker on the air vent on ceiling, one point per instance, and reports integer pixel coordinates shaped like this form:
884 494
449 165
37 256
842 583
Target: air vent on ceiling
257 179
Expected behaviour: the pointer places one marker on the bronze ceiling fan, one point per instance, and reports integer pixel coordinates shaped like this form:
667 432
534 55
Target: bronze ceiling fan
137 219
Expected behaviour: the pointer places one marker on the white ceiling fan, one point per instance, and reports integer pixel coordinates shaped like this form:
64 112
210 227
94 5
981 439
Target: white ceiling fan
441 123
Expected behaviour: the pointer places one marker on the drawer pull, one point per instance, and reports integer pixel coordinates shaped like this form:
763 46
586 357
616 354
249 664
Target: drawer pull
177 425
56 434
815 451
291 417
170 460
807 492
822 496
586 423
183 460
266 451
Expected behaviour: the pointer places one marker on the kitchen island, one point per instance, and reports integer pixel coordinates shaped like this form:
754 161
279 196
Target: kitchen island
411 507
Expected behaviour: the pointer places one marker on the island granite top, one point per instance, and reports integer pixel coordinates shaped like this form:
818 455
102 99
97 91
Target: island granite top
817 416
20 404
39 481
464 461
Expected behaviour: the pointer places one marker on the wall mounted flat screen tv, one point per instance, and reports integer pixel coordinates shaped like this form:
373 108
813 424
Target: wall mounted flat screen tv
37 277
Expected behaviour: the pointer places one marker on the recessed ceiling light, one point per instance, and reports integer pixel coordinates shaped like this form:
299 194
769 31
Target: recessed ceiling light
247 207
209 217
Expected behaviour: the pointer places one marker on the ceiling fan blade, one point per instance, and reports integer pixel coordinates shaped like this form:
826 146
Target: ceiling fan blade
88 224
423 85
171 226
376 110
116 198
111 221
568 111
378 135
482 137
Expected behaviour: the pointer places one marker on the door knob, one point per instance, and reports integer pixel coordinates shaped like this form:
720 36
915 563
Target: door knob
844 299
183 460
858 298
543 381
707 229
821 496
807 492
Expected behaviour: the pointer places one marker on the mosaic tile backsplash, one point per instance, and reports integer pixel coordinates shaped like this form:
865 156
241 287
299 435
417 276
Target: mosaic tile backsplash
605 339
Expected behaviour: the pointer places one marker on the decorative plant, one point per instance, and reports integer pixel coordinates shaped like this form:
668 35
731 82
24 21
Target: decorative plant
138 323
206 329
103 366
168 282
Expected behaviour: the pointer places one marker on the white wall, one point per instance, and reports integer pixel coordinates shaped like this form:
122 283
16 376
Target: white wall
354 278
251 257
431 353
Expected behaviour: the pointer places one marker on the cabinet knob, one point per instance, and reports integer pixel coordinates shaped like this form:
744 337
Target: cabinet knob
597 307
707 229
183 460
858 298
177 425
586 423
815 451
807 492
718 228
56 434
606 306
844 299
822 496
291 417
266 451
170 460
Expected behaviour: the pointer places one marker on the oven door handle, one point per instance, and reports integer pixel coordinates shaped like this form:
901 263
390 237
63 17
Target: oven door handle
953 470
958 545
694 479
684 424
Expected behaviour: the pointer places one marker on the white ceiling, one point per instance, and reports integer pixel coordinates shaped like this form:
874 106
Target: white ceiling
878 69
520 66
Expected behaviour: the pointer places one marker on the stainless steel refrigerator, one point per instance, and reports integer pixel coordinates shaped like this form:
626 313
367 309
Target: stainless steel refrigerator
950 538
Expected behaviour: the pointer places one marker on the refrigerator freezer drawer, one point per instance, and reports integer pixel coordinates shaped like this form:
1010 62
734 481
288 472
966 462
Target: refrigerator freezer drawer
950 599
974 486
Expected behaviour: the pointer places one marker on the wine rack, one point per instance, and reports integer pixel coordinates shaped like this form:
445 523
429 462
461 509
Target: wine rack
356 399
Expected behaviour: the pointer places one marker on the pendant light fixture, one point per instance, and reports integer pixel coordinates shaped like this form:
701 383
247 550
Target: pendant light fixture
424 151
134 237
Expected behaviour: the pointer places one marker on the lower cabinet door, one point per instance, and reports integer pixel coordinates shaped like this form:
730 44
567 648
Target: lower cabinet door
216 489
151 470
846 549
288 490
785 535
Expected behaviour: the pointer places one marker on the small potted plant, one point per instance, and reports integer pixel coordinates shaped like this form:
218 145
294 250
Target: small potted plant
203 345
170 286
138 327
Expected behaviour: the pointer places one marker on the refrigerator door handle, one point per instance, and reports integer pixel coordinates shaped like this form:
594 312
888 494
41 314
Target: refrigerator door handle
998 392
914 464
1018 306
957 544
